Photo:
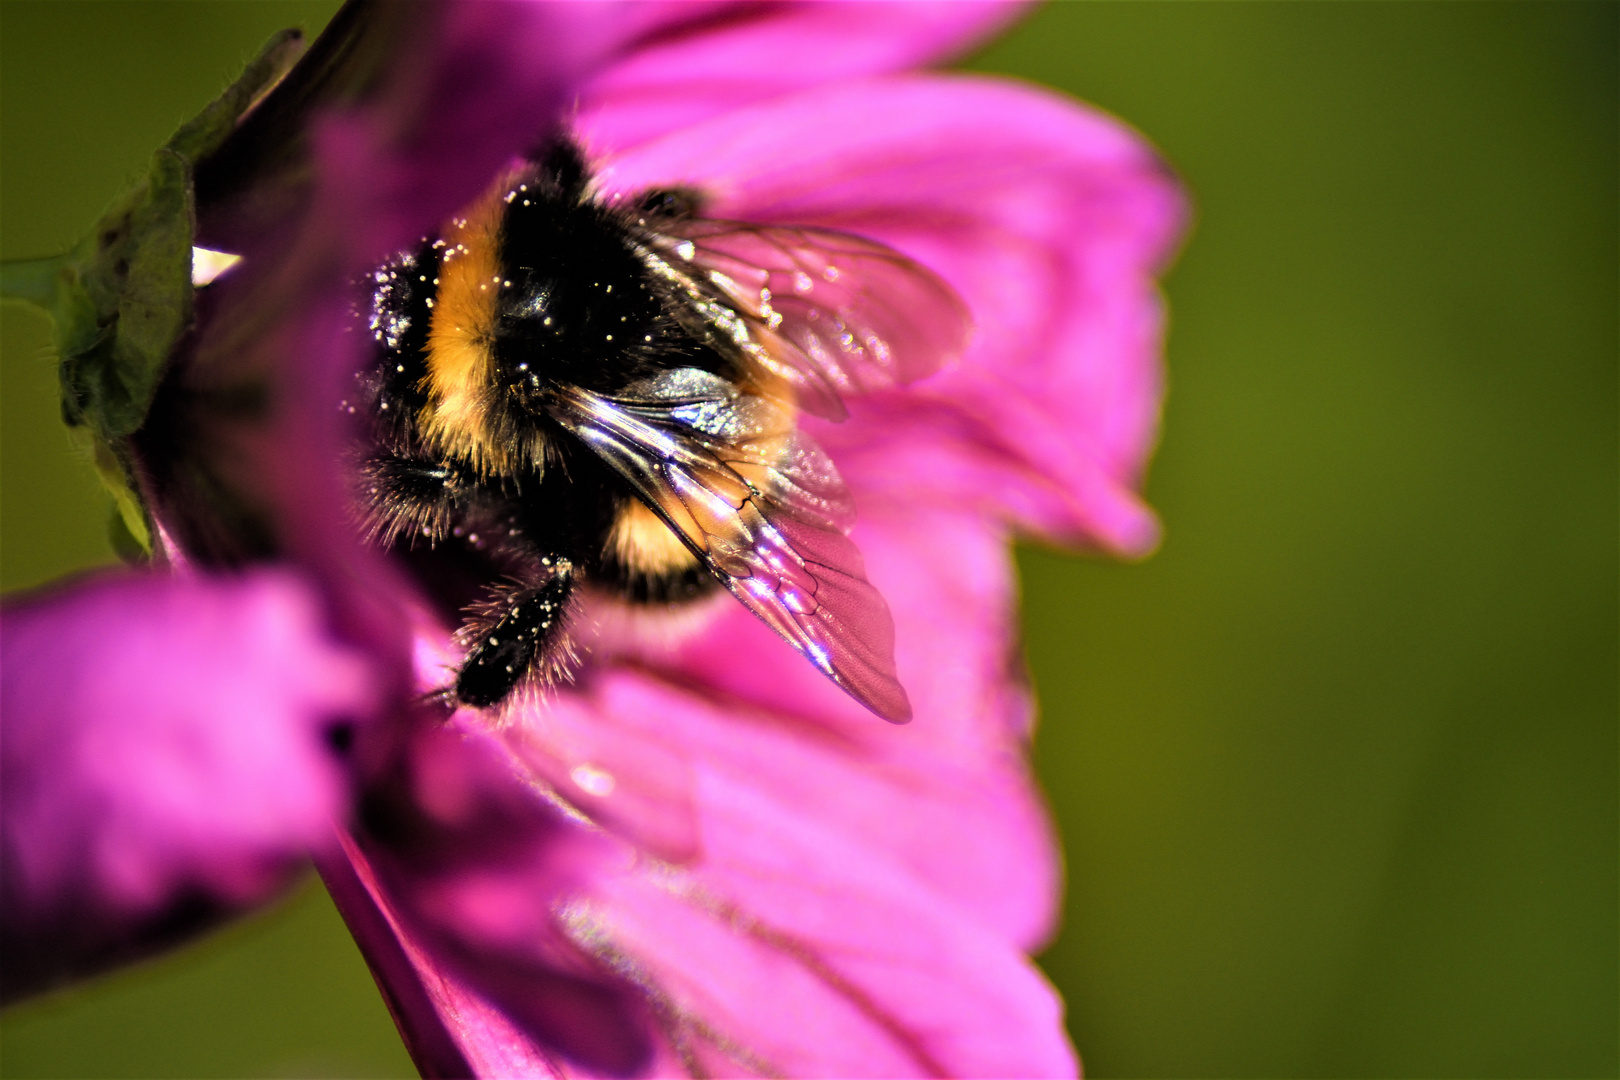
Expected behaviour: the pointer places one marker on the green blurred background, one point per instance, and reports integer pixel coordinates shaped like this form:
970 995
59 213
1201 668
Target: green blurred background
1336 768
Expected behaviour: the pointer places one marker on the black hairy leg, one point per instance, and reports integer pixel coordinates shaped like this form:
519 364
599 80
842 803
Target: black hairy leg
413 497
518 625
415 502
472 530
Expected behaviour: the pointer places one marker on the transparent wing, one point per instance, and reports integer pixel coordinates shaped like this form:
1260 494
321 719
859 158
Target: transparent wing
828 313
760 504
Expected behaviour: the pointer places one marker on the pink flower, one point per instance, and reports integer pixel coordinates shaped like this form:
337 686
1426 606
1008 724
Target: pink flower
137 809
702 856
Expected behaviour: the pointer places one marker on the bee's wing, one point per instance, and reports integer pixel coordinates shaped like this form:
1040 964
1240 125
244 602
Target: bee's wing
829 313
763 508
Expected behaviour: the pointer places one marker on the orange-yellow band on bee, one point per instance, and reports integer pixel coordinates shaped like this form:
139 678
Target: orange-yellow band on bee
460 360
641 542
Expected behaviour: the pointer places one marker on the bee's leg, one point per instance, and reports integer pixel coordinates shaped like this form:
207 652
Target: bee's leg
410 498
518 631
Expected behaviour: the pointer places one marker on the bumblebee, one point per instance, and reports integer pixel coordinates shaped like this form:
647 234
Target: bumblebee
571 392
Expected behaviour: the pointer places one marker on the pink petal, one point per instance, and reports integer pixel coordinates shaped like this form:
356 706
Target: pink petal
881 882
793 942
1049 219
451 885
948 796
798 946
167 750
415 107
637 788
731 55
